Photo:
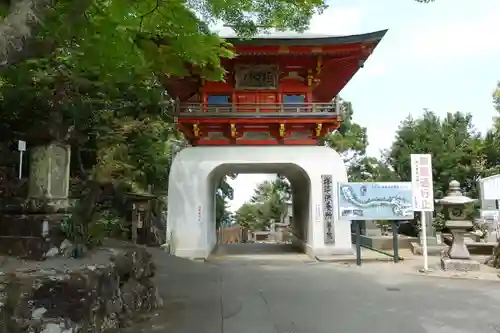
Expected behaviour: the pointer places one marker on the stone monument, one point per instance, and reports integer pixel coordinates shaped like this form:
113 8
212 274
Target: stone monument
453 205
430 230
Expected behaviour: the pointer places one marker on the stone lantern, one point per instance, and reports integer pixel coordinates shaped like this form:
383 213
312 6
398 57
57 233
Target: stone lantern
454 208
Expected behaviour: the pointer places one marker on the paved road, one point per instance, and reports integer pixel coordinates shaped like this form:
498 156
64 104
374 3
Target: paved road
271 293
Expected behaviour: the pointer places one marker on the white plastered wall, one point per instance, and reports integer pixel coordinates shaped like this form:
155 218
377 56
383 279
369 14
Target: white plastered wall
196 170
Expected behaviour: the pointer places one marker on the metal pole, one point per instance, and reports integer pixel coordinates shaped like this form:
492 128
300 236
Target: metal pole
358 243
424 239
20 164
395 243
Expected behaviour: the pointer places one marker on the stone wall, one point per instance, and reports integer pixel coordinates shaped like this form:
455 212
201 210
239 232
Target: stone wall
29 227
104 291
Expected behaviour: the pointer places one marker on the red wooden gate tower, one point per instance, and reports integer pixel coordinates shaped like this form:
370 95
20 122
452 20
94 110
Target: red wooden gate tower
278 90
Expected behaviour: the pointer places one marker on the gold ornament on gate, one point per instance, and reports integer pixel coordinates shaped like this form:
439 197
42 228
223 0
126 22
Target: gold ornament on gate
196 130
233 131
319 127
282 130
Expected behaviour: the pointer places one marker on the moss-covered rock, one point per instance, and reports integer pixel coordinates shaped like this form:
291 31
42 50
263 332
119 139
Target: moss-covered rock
90 298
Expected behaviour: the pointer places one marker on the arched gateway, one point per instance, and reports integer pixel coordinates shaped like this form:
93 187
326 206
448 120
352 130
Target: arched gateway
196 171
266 117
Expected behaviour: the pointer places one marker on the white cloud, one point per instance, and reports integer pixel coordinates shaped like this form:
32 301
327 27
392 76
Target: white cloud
244 186
442 34
337 21
451 39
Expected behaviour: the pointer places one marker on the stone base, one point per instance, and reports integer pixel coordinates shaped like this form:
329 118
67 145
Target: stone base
431 241
432 250
23 235
461 265
384 242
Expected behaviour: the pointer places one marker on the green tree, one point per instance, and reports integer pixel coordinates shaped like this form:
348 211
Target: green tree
496 97
247 216
123 23
22 19
224 192
351 139
453 143
270 202
490 163
371 169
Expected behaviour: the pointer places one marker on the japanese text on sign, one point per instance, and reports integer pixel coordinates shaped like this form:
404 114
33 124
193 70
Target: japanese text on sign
327 190
421 178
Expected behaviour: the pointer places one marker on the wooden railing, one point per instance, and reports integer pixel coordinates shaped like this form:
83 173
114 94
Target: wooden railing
196 108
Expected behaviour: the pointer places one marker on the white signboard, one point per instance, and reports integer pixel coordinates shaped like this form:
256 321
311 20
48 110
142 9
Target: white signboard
489 215
21 145
491 219
421 179
490 188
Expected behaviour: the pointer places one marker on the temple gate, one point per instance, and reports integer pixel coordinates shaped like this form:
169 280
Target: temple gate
277 102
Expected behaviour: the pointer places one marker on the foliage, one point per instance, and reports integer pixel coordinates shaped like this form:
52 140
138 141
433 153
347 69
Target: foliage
186 19
247 217
269 202
370 169
224 192
438 221
496 97
353 140
490 163
453 143
91 78
172 34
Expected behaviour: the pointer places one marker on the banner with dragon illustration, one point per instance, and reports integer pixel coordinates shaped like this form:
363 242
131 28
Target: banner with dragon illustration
375 201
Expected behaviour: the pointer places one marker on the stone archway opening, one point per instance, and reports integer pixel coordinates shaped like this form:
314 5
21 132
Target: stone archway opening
286 234
314 172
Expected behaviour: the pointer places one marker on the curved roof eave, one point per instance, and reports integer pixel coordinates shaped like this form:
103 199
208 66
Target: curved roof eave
307 39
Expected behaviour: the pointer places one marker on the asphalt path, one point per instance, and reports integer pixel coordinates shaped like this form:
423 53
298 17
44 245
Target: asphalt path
258 290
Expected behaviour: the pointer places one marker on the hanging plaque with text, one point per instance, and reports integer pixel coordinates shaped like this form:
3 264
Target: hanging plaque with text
256 77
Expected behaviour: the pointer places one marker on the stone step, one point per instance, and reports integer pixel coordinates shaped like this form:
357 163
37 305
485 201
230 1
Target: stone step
432 250
29 248
31 225
32 206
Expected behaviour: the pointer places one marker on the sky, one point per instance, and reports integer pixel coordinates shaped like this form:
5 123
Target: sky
443 56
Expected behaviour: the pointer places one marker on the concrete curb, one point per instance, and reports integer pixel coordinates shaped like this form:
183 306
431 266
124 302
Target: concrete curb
352 260
490 277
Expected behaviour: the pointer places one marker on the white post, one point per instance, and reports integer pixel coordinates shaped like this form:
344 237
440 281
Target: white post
20 164
21 147
424 240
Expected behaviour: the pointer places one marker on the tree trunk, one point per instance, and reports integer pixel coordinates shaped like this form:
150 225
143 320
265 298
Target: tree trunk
24 16
22 21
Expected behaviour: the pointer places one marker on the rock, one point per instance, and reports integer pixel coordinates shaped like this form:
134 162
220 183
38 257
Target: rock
37 314
65 248
91 298
54 251
52 328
